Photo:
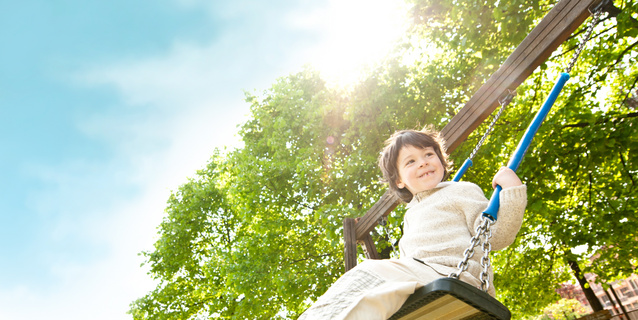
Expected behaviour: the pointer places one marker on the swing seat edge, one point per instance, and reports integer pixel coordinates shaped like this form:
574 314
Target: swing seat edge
448 298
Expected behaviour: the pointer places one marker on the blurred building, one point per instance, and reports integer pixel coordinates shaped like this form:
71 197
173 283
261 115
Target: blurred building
623 292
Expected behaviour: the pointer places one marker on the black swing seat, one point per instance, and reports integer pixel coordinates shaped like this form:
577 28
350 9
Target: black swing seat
451 299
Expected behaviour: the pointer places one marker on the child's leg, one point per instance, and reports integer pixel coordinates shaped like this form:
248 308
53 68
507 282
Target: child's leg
374 289
343 294
403 277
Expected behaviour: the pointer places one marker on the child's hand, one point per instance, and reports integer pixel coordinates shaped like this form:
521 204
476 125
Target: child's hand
506 178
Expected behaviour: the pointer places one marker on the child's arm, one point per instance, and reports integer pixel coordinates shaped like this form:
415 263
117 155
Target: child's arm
506 178
513 200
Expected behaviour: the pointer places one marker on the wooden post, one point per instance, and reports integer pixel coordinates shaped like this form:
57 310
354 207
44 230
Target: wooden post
350 247
361 229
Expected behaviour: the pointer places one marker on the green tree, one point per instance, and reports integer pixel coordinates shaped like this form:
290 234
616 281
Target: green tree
257 233
563 309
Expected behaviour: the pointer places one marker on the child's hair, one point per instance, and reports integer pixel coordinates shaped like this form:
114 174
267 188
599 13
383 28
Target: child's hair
427 137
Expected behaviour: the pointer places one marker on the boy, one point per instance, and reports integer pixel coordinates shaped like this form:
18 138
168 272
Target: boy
440 221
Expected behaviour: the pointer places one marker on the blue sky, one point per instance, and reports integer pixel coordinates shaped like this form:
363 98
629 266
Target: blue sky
107 106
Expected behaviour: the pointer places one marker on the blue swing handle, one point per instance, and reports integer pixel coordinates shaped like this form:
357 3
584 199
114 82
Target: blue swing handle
521 149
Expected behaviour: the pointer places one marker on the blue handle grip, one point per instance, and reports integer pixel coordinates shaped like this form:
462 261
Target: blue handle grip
466 165
516 159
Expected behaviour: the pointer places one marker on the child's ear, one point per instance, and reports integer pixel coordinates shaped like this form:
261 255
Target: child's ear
400 184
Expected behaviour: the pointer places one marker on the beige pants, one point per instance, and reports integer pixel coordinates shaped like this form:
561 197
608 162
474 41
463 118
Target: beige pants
376 289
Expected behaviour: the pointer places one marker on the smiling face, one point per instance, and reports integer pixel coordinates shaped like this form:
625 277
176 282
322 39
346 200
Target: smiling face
420 169
391 163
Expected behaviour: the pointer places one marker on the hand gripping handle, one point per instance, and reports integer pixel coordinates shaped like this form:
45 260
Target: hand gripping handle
516 159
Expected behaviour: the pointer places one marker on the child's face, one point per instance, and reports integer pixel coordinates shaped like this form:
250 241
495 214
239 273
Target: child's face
419 169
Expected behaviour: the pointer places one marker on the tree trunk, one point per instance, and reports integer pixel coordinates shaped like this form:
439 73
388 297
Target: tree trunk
589 293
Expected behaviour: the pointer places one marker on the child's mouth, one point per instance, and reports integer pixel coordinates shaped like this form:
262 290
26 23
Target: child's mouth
426 174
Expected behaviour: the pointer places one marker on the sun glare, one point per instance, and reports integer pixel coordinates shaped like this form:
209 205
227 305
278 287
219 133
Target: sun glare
355 34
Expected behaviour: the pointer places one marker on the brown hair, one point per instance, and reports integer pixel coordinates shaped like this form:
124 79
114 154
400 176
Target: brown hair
427 137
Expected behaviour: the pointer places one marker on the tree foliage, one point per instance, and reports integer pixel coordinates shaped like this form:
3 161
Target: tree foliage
563 309
257 233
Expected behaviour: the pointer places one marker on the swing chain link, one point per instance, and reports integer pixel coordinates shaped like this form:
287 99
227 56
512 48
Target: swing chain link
504 101
590 28
485 260
484 233
383 221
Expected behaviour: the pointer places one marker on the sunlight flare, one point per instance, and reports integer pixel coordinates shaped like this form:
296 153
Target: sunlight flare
355 35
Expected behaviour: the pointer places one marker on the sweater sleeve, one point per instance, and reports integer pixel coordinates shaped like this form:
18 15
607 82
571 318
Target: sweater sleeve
513 201
472 202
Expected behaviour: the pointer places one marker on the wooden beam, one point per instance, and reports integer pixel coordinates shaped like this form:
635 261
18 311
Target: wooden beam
536 48
350 247
545 38
370 248
383 207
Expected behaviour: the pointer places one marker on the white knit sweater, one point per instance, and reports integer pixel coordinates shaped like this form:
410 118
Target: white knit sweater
440 222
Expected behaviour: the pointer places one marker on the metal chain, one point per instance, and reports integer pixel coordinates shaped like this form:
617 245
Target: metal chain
485 260
596 17
483 232
504 102
384 223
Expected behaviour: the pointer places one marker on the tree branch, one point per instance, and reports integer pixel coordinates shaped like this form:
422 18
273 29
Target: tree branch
633 85
309 257
624 165
624 52
576 46
590 204
614 119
